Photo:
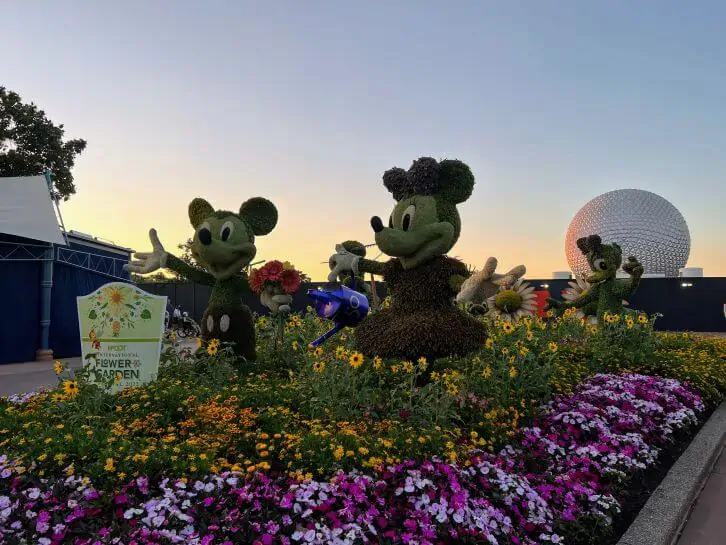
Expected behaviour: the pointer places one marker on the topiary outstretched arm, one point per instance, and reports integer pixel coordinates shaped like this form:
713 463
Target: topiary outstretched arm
343 261
370 266
195 275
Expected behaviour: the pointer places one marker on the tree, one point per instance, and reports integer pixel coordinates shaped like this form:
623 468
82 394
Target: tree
30 144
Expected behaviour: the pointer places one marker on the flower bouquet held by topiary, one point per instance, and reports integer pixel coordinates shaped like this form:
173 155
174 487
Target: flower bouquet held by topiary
270 281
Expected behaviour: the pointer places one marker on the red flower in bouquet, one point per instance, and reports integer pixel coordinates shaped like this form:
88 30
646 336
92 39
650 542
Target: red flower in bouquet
275 273
273 269
289 281
257 281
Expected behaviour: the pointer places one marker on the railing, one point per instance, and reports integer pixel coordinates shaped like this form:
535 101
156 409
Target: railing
107 266
17 251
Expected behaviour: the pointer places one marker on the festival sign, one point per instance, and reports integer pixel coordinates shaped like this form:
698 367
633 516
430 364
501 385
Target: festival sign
121 334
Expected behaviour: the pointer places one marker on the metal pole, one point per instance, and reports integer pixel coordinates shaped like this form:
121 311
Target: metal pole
45 353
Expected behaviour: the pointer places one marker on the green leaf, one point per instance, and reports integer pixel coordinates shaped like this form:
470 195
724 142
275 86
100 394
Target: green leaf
92 315
146 315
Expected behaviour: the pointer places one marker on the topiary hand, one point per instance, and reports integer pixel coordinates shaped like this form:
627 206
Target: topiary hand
342 261
147 262
633 267
274 299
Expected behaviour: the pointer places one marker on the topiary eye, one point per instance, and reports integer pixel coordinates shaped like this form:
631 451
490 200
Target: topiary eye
227 230
408 215
600 265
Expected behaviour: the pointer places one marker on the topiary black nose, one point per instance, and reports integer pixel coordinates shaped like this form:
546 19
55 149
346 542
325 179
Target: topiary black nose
205 236
377 224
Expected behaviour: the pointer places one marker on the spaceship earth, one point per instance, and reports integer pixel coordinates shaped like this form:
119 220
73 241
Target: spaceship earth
644 224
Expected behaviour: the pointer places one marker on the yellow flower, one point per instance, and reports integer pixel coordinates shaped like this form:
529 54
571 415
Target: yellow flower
489 343
377 363
356 360
507 327
215 343
552 346
422 363
487 372
435 376
212 349
338 452
513 372
523 351
629 323
407 367
70 388
109 465
395 368
57 397
58 367
505 350
318 351
530 335
642 319
318 366
294 345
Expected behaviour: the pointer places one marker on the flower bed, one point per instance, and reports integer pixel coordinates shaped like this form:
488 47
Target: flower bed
377 451
567 467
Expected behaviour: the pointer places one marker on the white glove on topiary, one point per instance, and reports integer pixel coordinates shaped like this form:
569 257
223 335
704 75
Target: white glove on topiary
148 262
274 299
342 261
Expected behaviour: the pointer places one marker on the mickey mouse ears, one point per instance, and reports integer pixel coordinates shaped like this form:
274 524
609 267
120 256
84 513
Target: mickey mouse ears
450 179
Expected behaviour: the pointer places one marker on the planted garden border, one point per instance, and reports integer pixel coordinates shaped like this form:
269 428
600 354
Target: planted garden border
666 512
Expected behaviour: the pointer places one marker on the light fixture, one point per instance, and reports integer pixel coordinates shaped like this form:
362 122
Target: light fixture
686 284
544 286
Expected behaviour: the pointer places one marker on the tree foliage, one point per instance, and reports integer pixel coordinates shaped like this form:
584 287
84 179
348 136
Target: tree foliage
30 144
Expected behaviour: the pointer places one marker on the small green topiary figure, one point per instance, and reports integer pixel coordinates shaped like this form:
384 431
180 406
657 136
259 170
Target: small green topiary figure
224 244
422 281
606 294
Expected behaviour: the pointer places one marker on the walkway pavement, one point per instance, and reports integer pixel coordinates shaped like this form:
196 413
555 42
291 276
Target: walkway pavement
17 378
707 523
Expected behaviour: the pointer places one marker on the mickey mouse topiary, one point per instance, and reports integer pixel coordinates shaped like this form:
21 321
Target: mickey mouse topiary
422 281
224 244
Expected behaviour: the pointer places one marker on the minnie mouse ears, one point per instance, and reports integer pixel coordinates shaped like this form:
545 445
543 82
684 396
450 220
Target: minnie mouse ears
450 179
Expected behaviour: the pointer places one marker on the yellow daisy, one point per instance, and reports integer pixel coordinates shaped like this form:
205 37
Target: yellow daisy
70 388
356 360
319 366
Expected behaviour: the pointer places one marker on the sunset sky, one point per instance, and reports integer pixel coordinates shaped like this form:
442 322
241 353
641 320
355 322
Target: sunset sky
308 103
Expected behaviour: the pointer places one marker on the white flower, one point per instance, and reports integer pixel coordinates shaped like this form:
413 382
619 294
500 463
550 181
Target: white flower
511 302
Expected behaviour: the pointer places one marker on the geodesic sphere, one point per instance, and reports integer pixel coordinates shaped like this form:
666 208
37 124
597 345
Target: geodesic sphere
644 224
